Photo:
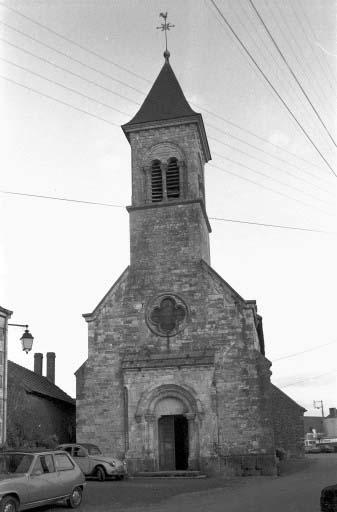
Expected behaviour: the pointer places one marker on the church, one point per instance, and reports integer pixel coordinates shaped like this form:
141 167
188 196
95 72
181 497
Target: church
176 377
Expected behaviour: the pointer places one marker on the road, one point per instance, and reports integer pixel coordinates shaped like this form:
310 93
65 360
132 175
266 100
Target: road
297 490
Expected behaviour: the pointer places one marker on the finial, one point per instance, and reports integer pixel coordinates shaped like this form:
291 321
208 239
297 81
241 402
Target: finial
165 27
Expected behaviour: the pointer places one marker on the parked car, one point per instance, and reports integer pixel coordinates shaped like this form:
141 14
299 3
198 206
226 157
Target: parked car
93 463
329 499
312 449
326 448
30 479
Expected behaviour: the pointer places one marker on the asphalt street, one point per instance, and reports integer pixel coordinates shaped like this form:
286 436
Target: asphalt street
296 490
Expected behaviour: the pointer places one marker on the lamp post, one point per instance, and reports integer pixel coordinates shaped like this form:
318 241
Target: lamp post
27 343
26 339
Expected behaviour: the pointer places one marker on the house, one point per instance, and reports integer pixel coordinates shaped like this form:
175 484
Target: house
38 411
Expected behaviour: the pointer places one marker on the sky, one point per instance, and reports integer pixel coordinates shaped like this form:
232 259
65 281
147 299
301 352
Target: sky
59 258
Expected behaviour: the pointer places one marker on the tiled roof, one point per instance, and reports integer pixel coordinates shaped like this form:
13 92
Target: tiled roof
37 384
165 100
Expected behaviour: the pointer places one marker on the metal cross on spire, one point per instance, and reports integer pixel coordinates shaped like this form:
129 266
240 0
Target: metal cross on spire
165 27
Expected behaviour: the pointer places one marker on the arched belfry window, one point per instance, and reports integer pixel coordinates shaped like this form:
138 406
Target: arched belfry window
172 179
156 182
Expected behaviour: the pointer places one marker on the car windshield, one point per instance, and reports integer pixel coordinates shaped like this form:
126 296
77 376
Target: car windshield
15 463
92 449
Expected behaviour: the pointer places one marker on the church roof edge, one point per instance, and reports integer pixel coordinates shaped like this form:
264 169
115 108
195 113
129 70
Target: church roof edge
89 316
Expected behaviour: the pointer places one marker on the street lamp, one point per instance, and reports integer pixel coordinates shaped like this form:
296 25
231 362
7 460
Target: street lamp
26 339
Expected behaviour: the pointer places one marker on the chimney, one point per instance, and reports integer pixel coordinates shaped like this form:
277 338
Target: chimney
332 412
51 366
38 359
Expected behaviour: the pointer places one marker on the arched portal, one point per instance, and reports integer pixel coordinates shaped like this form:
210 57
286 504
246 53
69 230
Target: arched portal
172 415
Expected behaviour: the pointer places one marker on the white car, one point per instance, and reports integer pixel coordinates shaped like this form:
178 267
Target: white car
91 461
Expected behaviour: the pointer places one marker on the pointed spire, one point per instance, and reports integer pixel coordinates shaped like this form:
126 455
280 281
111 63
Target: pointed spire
165 100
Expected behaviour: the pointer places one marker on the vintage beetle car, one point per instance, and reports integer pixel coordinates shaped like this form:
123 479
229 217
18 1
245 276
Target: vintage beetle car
30 479
93 463
329 499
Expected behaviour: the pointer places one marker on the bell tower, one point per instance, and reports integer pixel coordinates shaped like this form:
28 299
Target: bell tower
168 220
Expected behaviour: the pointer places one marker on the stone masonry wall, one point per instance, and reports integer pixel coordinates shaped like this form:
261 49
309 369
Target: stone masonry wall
288 423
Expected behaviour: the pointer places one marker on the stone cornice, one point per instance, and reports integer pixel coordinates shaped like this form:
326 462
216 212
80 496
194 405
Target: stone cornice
173 203
197 119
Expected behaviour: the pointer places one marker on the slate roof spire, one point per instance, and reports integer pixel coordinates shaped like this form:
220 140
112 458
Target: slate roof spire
165 101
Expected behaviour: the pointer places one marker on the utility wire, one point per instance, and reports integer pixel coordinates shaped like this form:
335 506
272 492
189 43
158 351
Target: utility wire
305 380
75 43
65 87
264 161
295 354
261 139
59 101
91 82
268 188
126 114
227 134
54 198
81 77
115 124
237 221
297 52
123 83
274 71
223 157
314 38
106 75
274 89
292 73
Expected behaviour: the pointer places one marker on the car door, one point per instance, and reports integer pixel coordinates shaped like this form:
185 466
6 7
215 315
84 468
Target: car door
43 480
82 459
66 473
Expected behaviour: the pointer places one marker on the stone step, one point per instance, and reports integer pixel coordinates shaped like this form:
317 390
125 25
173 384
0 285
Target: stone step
170 474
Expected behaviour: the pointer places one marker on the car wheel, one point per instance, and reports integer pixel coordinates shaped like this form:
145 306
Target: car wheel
75 499
9 504
100 474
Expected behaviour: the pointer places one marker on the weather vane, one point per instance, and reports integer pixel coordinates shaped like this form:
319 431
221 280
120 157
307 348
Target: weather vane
165 27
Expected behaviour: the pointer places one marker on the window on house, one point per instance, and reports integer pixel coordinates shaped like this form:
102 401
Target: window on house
156 182
172 179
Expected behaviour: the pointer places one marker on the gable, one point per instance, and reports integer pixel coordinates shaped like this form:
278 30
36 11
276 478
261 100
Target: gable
113 293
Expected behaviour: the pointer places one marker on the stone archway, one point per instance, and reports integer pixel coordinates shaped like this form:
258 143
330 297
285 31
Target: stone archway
172 411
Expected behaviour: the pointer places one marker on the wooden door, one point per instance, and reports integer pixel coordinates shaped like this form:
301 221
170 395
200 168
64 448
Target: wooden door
166 443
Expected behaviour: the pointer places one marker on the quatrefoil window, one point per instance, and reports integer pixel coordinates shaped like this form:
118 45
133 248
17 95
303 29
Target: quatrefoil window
167 315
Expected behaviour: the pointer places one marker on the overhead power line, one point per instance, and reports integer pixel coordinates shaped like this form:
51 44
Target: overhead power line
66 199
91 82
59 101
244 178
270 177
295 354
145 79
115 124
106 75
292 73
81 77
274 89
264 161
109 61
306 379
126 114
96 203
106 105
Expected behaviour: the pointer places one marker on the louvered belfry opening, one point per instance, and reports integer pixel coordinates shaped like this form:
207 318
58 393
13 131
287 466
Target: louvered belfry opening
156 182
172 179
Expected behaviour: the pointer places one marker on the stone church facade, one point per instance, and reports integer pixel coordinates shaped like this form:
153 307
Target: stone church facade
176 377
